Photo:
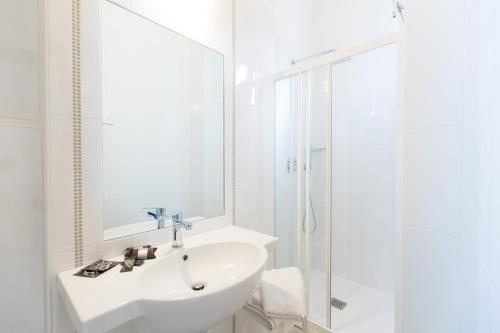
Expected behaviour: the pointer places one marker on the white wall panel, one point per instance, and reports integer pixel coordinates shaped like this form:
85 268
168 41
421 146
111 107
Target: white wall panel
21 173
433 178
488 225
340 24
19 59
431 281
440 253
21 239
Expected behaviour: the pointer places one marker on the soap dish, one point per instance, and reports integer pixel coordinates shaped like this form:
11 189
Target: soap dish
96 268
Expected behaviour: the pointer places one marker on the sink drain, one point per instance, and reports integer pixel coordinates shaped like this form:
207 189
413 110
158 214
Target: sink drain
197 286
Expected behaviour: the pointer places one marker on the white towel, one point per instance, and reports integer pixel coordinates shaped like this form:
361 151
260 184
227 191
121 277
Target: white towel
256 299
254 306
282 292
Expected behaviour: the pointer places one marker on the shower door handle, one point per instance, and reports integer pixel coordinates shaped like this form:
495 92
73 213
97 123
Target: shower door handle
291 165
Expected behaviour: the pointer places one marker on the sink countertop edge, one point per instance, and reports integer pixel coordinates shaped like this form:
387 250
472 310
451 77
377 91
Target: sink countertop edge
99 323
123 310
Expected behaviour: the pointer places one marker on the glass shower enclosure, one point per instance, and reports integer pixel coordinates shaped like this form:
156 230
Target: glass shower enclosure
335 184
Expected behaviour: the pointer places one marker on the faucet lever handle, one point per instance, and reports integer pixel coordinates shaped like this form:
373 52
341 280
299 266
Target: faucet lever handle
178 224
156 210
177 218
179 221
187 225
154 215
158 213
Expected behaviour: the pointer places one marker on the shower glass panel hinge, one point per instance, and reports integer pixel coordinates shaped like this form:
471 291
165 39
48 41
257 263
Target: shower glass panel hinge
337 303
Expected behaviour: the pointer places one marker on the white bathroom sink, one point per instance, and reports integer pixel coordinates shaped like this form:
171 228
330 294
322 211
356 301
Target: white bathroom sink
159 297
191 290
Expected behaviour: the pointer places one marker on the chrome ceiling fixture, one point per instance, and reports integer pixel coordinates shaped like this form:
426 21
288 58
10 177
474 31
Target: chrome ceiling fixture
398 11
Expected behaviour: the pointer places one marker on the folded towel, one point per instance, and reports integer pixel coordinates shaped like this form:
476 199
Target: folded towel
256 300
254 306
282 292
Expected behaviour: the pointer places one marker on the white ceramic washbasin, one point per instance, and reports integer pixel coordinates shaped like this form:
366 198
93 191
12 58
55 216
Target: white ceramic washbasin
227 273
158 296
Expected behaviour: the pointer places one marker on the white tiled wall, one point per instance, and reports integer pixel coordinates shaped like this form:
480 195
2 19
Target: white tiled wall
19 59
440 211
431 279
21 239
339 24
488 223
263 46
22 244
433 173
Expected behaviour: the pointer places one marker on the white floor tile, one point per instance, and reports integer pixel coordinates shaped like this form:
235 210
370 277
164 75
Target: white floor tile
367 310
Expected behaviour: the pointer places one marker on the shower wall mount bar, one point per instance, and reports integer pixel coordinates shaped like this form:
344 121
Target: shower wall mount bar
341 55
296 61
398 11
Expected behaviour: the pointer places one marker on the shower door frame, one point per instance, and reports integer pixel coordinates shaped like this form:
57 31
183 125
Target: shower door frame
299 70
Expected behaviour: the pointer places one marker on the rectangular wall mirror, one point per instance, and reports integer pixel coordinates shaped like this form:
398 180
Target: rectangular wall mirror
163 124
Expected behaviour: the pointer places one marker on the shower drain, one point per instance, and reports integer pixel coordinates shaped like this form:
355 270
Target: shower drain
337 303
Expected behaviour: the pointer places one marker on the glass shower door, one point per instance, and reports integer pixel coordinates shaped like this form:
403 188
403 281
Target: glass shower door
316 221
302 187
286 165
363 191
335 187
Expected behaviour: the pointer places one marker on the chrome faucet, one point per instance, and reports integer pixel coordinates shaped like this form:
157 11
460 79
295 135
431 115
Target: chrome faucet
179 223
159 215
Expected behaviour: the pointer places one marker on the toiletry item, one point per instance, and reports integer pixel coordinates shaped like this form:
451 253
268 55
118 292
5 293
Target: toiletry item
146 252
87 274
135 257
138 262
128 264
101 266
97 268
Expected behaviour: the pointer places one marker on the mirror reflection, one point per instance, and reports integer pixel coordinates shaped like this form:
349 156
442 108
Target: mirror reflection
163 136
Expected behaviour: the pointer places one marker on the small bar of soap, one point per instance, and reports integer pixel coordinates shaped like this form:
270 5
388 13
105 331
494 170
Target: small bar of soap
128 264
146 252
135 257
138 262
